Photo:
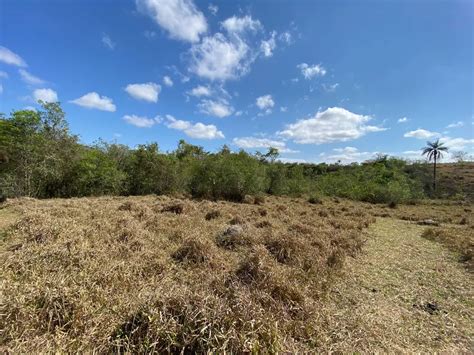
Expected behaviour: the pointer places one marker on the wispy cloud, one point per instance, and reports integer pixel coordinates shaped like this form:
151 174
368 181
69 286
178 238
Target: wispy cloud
8 57
30 78
107 41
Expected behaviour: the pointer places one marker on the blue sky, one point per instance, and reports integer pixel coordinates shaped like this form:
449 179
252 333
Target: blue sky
320 80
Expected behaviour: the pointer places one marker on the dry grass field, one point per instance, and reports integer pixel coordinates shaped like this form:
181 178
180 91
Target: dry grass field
154 274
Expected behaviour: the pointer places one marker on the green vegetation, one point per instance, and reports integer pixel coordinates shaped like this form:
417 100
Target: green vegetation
39 157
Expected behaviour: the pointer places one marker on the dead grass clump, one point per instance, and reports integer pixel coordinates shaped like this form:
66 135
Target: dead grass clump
212 215
54 312
232 238
126 206
177 208
262 212
259 200
133 335
236 220
300 229
192 251
254 268
314 200
263 224
37 228
323 213
286 250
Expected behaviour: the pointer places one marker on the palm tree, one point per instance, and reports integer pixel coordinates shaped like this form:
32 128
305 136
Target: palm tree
434 150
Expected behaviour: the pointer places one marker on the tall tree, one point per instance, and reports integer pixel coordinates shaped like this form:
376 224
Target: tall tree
434 152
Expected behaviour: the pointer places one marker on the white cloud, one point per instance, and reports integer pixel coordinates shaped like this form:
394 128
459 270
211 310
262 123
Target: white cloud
8 57
199 91
3 75
293 160
254 142
107 41
420 134
455 124
310 71
180 18
268 46
167 81
217 58
403 120
94 101
265 102
346 155
237 25
146 91
140 121
197 130
46 95
1 89
30 78
330 87
332 125
220 108
286 37
213 9
455 144
283 108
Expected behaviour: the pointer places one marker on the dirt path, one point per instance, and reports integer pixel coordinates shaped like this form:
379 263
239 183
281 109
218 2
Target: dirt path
404 294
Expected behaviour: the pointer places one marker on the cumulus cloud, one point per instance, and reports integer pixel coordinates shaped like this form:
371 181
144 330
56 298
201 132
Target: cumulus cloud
346 155
237 25
219 58
30 78
310 71
265 102
107 41
141 121
255 142
167 81
93 100
199 91
8 57
219 108
420 134
46 95
403 120
198 130
455 124
335 124
180 18
146 91
268 46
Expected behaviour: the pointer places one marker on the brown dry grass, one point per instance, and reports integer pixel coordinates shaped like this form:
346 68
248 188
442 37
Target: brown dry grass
159 274
162 274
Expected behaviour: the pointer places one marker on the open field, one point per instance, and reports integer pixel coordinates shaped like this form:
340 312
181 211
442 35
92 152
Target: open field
166 274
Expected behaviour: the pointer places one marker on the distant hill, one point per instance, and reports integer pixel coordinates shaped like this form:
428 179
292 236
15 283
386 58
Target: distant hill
456 178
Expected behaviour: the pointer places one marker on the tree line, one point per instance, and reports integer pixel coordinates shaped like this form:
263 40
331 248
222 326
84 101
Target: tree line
41 158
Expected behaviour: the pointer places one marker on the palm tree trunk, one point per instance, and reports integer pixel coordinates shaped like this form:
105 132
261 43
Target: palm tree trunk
434 174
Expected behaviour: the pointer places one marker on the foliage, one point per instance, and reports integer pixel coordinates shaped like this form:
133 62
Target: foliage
40 158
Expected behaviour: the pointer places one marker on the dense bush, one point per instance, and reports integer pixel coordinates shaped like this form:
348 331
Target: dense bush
39 157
